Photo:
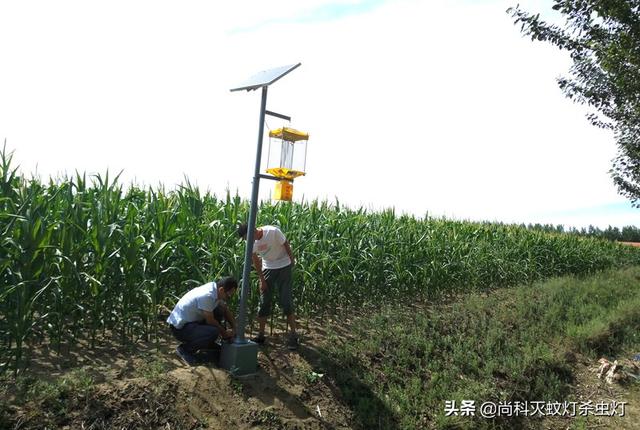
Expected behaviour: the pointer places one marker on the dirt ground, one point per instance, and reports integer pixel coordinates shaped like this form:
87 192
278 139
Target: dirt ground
150 387
587 388
632 243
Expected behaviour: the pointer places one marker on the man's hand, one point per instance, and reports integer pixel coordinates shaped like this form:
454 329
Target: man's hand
227 334
263 285
287 248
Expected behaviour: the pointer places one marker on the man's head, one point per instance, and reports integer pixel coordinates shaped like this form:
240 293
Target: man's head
227 286
242 230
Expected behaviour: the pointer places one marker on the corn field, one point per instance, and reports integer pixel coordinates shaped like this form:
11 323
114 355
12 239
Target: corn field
84 258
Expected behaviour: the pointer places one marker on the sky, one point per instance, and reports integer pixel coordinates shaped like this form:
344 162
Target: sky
436 107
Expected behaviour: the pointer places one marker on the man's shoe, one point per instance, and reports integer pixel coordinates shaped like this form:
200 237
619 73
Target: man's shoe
187 357
259 339
292 342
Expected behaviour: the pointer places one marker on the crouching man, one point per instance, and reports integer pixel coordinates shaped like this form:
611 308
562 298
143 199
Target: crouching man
196 320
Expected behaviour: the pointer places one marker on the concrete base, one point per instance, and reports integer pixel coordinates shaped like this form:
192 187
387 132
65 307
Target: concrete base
240 358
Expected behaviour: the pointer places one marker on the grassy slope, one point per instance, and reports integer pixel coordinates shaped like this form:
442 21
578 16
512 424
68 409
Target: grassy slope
512 345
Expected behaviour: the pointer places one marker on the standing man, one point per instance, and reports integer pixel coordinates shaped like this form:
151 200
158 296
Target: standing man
196 320
273 260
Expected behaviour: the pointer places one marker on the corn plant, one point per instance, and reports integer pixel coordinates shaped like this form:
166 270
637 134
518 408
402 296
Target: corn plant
86 258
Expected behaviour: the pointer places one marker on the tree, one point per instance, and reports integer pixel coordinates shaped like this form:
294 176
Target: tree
603 39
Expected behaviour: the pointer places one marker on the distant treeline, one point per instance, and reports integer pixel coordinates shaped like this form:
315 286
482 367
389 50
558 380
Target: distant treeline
625 234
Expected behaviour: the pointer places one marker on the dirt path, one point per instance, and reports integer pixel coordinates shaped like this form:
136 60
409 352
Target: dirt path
632 243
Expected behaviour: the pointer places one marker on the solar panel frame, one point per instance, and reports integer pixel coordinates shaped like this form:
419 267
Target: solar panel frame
265 78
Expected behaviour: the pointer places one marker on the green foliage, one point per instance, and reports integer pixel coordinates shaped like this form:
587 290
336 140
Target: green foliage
403 363
603 38
82 258
51 396
628 233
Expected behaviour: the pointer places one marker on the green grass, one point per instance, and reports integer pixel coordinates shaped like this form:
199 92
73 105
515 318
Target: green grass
48 400
509 345
153 366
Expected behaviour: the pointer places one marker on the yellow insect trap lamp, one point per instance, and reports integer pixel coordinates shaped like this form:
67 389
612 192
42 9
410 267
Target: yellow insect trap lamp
287 159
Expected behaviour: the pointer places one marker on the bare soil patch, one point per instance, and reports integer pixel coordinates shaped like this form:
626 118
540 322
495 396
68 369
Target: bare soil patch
590 390
632 243
146 385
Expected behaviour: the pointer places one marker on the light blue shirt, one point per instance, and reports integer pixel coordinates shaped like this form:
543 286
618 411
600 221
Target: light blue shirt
189 308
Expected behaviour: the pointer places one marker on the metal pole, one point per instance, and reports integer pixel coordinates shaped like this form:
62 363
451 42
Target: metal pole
253 211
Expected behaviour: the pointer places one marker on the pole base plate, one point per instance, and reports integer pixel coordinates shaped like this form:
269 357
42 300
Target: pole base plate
240 359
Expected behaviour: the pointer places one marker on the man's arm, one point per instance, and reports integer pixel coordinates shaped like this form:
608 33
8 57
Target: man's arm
208 316
228 316
287 248
257 264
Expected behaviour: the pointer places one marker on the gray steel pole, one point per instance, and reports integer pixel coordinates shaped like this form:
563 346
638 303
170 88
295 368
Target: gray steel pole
253 211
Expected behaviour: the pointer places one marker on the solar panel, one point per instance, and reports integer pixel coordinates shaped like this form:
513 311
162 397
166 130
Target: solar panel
265 78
